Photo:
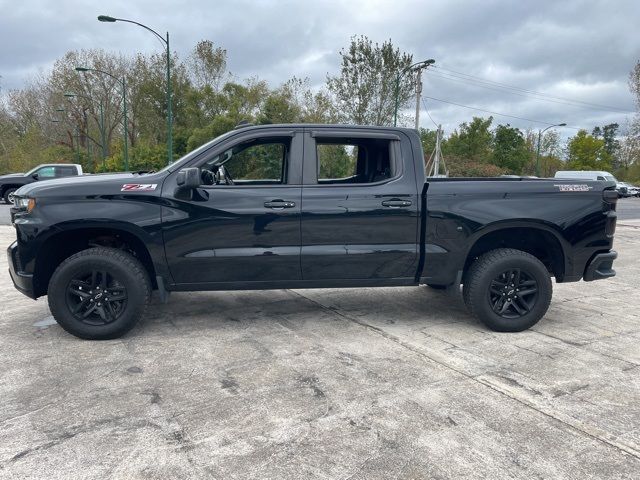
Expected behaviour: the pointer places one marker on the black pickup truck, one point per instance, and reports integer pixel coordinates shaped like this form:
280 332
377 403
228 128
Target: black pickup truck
305 206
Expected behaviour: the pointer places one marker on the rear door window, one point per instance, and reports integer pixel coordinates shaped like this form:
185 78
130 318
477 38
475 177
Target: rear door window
353 161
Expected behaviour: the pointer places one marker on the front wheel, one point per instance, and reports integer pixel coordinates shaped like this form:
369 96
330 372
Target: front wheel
99 293
508 290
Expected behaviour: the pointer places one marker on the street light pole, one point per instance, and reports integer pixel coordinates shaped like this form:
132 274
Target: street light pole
123 84
540 132
165 41
416 66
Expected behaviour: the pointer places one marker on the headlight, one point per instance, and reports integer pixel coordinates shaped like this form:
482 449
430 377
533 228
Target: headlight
27 204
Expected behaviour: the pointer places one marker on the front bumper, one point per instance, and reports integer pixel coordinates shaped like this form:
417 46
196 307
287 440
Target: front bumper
600 266
22 281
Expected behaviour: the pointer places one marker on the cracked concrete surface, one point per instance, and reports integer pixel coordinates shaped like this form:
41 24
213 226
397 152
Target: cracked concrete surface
328 384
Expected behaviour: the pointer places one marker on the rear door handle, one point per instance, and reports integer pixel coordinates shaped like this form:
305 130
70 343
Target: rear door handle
279 204
396 203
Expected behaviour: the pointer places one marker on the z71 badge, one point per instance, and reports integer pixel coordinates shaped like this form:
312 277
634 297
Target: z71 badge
138 187
574 188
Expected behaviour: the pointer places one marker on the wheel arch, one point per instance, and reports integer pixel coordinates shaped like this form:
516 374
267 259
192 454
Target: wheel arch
540 240
64 242
5 187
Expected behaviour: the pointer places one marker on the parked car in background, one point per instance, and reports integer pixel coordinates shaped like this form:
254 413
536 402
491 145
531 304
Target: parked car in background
586 175
13 181
631 190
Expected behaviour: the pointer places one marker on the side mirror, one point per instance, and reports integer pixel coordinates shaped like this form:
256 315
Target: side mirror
35 176
189 178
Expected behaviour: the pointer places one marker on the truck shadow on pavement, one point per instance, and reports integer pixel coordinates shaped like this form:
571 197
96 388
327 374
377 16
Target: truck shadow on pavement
299 309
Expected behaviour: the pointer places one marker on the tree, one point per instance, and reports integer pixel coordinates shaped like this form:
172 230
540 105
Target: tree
208 66
608 134
365 89
472 141
585 152
510 151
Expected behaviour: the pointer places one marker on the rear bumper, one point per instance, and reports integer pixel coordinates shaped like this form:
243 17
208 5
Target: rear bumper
22 281
600 266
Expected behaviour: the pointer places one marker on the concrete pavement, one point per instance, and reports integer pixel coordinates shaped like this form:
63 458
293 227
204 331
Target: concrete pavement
328 384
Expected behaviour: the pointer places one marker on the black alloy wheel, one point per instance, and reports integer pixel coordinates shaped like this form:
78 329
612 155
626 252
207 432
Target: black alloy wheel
99 293
96 297
507 289
513 293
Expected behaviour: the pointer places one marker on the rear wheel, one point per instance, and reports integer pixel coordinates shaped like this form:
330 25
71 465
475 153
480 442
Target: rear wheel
508 290
8 195
99 293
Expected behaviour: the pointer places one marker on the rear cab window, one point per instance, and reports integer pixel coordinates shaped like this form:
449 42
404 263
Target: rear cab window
348 161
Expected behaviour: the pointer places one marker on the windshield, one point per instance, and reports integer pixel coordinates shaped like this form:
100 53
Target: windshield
610 178
194 153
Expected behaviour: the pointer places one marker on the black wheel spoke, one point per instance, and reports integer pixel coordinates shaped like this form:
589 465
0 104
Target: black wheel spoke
96 297
89 310
528 291
517 307
109 312
79 291
513 293
80 306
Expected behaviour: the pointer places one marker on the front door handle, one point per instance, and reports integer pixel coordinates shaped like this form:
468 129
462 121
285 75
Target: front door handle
396 203
279 204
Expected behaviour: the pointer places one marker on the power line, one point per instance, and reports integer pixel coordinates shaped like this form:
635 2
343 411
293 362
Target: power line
427 110
526 95
494 113
482 81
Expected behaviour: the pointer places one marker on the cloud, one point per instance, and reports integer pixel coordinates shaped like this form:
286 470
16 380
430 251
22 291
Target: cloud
577 49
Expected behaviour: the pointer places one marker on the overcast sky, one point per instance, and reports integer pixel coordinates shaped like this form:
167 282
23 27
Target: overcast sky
569 49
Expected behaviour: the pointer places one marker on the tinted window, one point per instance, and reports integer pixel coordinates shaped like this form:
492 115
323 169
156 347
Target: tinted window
65 171
353 161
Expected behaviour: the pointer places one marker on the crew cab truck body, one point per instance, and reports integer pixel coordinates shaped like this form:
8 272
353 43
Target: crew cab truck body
305 206
13 181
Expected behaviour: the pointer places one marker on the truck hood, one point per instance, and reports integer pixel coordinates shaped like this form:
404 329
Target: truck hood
84 184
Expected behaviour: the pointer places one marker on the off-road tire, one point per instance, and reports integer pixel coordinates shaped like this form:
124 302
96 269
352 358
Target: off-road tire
125 272
479 289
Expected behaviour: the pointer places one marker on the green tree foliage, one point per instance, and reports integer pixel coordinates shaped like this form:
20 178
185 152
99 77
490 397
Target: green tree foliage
472 141
364 91
510 150
588 153
336 161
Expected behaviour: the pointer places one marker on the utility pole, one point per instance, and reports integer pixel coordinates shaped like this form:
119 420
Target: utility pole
418 92
433 165
436 161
